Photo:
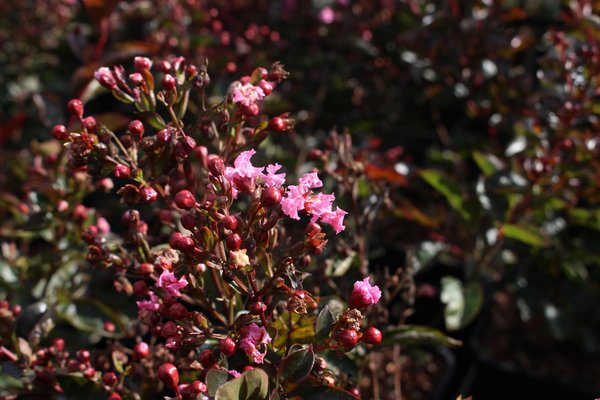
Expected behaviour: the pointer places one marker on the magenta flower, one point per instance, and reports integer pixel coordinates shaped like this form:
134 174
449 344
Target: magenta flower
234 373
319 206
364 294
252 337
247 94
149 305
171 284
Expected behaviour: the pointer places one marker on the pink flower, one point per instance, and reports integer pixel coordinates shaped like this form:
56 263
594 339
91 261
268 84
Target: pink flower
293 201
234 373
364 294
252 337
149 305
271 178
170 284
335 219
247 94
310 181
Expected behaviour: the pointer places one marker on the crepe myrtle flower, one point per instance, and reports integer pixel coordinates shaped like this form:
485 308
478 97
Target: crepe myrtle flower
252 336
247 95
171 284
364 294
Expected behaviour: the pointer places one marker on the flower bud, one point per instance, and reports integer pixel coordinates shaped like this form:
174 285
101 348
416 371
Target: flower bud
372 336
142 63
257 308
233 241
106 78
266 86
137 79
114 396
75 107
230 222
227 346
90 124
270 197
148 194
185 199
60 132
169 329
207 358
347 338
109 379
216 166
122 171
169 375
168 82
177 311
141 350
163 136
188 221
136 129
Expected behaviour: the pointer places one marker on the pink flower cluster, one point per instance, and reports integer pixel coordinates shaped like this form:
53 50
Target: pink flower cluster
252 337
244 175
319 206
149 305
364 294
171 284
247 94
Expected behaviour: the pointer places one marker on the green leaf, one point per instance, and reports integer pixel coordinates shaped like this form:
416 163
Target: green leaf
322 392
462 303
339 267
215 378
323 325
415 335
526 234
487 163
8 381
448 188
251 385
297 365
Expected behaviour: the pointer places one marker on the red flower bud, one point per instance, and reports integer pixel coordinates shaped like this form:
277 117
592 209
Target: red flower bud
136 129
270 197
60 132
169 82
148 194
169 329
185 199
89 373
207 358
142 63
177 311
372 336
90 124
141 350
233 241
188 221
146 269
169 375
230 222
163 136
122 171
75 107
347 338
227 346
114 396
216 166
109 379
257 308
140 288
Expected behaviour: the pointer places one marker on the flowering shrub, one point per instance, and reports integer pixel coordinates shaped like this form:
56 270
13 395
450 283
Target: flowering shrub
215 247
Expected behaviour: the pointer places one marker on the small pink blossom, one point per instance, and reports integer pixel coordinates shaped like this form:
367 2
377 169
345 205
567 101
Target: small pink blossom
271 178
252 337
293 202
149 305
310 181
234 373
335 219
364 294
171 284
247 94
